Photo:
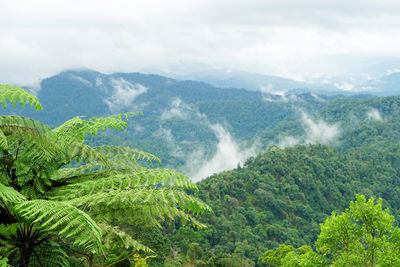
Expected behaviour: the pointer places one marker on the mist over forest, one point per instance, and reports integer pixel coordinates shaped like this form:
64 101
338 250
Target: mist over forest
199 133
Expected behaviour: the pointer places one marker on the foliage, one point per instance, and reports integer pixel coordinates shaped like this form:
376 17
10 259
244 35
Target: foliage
59 195
363 235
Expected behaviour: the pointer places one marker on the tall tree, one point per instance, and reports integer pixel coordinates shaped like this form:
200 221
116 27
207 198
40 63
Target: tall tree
363 235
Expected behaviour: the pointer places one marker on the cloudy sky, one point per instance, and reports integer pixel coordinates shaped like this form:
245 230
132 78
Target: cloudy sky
292 38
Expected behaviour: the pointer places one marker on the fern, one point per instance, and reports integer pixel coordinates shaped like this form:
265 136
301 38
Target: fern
9 195
16 94
81 152
47 204
112 234
75 129
126 156
24 122
51 253
3 141
63 220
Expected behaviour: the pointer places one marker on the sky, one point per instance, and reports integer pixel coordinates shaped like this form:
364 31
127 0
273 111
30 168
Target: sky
298 39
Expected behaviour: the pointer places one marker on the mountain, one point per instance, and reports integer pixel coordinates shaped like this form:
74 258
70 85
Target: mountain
258 82
187 123
282 195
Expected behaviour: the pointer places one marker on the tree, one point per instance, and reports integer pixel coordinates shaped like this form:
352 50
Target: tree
61 197
363 235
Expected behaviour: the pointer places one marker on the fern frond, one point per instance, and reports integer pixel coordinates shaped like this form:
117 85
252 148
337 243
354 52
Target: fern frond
37 147
24 122
9 195
126 156
81 152
75 129
113 234
141 177
3 140
80 172
49 254
142 205
63 220
16 94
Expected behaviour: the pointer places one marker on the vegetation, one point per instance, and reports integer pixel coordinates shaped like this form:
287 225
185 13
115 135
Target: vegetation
363 235
281 196
61 199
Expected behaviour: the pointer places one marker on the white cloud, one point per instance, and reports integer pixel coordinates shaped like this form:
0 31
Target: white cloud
319 132
374 114
123 95
78 78
319 99
165 134
316 132
268 90
99 82
288 141
228 154
290 38
344 86
178 109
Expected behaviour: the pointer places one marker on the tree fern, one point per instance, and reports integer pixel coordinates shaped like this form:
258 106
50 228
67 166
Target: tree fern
48 205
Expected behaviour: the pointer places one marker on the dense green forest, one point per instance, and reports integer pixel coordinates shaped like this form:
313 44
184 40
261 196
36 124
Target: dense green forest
270 210
282 196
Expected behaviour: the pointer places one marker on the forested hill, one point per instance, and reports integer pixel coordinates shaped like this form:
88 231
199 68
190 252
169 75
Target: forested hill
179 118
282 195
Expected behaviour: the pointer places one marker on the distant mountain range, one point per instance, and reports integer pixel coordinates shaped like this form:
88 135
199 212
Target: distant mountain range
188 123
377 83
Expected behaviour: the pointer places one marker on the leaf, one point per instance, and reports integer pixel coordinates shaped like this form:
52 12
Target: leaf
9 195
112 234
63 220
3 141
16 94
75 129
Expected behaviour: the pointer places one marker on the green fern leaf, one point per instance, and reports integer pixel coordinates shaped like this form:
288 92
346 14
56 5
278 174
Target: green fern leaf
75 129
16 94
125 156
113 234
9 195
63 220
24 122
3 141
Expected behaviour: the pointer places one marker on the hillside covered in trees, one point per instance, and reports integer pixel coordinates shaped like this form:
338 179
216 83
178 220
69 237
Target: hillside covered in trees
283 195
314 155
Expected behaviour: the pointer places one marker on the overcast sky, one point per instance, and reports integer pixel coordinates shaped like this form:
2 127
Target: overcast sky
295 38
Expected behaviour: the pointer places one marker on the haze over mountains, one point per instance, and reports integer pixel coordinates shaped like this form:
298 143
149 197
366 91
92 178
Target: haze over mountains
272 164
194 126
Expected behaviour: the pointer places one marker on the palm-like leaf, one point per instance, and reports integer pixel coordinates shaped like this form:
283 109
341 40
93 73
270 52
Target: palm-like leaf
9 195
112 234
126 156
16 94
3 141
24 122
75 129
63 220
